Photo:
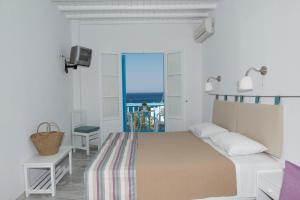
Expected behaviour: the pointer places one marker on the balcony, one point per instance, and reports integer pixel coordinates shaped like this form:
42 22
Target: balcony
141 118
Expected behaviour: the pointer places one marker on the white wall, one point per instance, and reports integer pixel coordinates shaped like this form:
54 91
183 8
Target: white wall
33 85
137 38
251 34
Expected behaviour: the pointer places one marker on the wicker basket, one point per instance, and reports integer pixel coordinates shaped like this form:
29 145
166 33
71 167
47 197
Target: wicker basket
47 143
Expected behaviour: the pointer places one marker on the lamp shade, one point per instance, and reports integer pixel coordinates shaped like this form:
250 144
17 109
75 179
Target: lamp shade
208 87
246 83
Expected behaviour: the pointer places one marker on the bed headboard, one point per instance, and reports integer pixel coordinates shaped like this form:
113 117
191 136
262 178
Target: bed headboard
263 123
224 114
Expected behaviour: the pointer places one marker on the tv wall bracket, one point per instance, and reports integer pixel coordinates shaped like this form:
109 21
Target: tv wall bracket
69 65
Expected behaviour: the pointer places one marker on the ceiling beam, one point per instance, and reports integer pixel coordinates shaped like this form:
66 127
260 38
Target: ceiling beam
135 15
209 6
140 21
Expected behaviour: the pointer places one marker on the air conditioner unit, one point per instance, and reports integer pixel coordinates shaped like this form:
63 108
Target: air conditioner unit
205 30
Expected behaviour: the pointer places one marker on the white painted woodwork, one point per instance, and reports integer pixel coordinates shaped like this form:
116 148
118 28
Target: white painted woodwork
135 15
110 84
174 92
83 140
136 10
54 171
136 7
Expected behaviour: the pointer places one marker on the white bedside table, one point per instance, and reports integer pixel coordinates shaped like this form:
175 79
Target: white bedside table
54 166
269 184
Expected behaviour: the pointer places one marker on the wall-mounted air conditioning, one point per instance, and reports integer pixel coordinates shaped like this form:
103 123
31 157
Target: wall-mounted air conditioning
205 30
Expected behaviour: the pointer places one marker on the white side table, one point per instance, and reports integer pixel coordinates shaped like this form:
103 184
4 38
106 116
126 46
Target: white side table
54 168
269 184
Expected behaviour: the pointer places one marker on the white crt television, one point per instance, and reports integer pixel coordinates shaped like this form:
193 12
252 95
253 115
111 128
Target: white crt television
80 56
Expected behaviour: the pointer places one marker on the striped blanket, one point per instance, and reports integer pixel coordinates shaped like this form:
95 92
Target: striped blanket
112 174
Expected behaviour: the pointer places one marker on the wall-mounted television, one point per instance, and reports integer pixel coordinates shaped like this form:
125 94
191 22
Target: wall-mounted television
79 56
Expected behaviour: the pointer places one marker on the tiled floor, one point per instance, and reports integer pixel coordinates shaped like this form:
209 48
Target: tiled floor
71 187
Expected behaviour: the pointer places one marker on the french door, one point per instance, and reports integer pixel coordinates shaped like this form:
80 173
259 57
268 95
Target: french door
174 92
110 84
111 93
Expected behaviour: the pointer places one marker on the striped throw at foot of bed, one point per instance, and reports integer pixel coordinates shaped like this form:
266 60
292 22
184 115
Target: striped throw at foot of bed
112 174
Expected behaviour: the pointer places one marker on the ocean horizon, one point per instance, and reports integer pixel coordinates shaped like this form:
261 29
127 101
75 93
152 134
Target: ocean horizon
141 97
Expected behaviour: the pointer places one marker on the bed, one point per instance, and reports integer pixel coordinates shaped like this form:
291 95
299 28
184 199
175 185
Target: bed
181 166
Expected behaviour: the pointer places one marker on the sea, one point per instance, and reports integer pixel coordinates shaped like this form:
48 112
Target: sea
153 97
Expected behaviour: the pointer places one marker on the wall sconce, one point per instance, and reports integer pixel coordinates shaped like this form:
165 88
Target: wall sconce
246 83
208 85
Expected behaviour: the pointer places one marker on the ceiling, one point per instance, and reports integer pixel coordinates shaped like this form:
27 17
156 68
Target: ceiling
136 10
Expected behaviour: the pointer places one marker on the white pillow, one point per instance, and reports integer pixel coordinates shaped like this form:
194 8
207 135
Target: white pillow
196 129
235 144
206 130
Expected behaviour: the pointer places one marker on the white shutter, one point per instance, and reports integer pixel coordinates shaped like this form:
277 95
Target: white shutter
174 92
110 99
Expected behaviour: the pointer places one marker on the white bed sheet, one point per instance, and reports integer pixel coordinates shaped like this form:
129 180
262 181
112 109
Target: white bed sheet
246 171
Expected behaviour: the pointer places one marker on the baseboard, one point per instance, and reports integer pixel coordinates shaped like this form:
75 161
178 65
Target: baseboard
21 196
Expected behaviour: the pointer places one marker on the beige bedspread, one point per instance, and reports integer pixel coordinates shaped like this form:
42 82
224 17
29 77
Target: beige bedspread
180 166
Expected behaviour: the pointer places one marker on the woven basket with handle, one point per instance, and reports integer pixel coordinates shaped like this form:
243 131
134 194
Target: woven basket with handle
47 143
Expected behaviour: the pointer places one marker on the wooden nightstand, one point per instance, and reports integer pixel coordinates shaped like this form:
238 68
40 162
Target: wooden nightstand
269 184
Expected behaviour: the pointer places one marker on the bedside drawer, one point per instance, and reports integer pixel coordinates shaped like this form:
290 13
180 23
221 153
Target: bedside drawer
269 188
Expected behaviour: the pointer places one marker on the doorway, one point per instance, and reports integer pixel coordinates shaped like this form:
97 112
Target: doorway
143 92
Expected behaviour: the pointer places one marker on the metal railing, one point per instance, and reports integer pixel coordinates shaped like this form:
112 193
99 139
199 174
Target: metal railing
133 107
150 120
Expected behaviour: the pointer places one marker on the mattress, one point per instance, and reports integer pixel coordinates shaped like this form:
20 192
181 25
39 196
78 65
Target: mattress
246 172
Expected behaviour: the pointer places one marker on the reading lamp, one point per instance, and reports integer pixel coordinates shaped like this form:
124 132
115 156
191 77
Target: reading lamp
208 85
246 83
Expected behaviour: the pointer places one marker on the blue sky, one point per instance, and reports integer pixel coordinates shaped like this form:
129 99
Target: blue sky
144 72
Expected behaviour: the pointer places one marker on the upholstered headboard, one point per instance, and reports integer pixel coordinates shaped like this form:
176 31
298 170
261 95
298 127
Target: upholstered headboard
224 114
263 123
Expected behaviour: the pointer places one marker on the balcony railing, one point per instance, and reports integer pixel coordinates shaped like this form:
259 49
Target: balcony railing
151 119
